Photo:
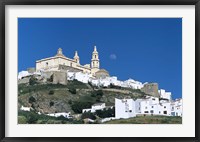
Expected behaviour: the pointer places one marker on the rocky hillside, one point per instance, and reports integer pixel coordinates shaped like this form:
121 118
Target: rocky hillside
73 97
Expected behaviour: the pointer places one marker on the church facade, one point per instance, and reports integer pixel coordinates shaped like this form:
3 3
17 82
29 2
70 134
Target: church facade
60 62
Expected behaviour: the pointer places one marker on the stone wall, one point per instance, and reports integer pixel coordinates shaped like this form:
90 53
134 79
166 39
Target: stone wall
151 89
60 77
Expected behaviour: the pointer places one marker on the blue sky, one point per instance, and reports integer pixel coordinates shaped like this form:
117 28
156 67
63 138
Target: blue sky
144 49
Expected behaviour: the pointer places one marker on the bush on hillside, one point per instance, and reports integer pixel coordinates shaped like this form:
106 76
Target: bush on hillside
51 92
31 99
32 81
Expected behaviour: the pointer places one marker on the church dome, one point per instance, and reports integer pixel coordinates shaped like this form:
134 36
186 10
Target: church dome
102 73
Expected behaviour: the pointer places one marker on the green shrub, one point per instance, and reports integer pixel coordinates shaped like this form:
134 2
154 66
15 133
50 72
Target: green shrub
70 102
22 120
51 92
31 99
32 81
88 115
32 118
98 95
72 90
51 104
110 112
78 106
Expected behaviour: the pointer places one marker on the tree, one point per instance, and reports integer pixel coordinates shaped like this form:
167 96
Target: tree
32 81
97 94
31 99
77 107
72 90
32 118
70 102
88 115
51 104
110 112
51 92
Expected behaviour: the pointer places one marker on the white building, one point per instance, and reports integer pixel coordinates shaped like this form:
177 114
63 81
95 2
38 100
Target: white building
152 106
25 108
82 77
64 114
97 106
124 108
165 95
177 107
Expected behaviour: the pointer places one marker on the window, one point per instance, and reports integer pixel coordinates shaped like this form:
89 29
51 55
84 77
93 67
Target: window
146 112
151 111
145 107
47 63
164 112
164 106
139 108
153 99
130 110
159 112
95 56
151 106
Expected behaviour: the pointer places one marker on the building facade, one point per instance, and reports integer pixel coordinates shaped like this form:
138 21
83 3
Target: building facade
124 108
61 62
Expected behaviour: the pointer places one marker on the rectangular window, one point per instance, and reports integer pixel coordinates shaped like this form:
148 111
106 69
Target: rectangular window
151 106
164 112
151 111
146 112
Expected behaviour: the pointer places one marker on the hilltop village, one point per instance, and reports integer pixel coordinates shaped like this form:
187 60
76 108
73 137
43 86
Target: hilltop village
60 69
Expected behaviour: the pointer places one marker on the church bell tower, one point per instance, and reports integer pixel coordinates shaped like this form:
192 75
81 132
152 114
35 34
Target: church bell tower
76 57
95 61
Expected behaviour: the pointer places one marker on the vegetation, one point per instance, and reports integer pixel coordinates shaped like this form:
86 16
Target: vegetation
76 84
32 81
25 117
110 112
24 88
88 115
51 92
31 99
74 97
51 104
97 95
77 107
148 120
72 90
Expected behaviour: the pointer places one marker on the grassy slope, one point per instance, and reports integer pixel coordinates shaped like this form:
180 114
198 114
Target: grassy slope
148 120
62 95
